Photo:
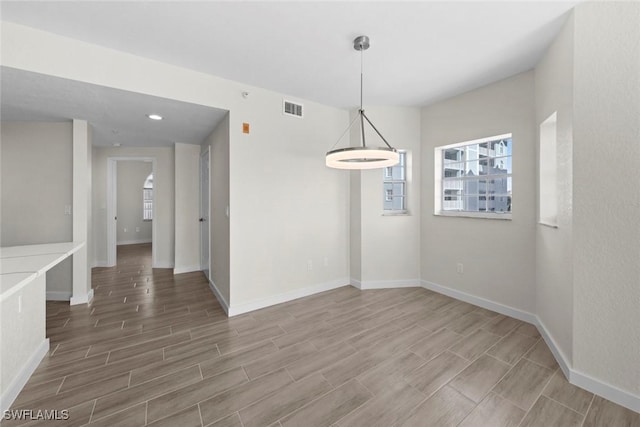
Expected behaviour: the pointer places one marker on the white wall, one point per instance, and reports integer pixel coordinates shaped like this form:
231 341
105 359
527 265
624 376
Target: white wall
36 188
131 176
389 244
187 205
498 255
163 188
288 210
606 222
554 246
219 231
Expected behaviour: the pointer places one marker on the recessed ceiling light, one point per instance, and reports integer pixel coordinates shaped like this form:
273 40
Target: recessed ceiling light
154 116
116 144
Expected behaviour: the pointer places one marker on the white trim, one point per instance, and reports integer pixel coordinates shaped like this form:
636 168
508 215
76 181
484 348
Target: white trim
388 284
286 296
608 391
164 265
100 263
187 269
133 242
58 296
9 396
483 215
525 316
548 224
560 357
476 141
223 302
356 283
82 299
582 380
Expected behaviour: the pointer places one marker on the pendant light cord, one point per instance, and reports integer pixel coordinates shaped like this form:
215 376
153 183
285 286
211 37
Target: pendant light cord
361 75
361 111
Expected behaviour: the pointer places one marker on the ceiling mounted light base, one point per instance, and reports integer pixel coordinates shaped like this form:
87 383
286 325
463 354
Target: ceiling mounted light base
362 157
361 43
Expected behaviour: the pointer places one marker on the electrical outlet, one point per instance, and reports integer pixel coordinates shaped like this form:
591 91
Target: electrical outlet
125 230
309 265
67 209
460 268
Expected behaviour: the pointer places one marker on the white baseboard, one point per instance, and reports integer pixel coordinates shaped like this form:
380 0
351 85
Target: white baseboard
612 393
101 264
187 269
8 397
582 380
386 284
163 265
133 242
558 354
223 302
525 316
286 296
82 299
58 296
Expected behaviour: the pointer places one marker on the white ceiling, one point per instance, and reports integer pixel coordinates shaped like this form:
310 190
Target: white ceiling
420 51
116 116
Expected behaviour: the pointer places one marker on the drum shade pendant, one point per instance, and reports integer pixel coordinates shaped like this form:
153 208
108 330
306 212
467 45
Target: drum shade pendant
362 157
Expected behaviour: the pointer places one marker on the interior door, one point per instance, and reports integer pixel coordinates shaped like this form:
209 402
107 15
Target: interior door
204 213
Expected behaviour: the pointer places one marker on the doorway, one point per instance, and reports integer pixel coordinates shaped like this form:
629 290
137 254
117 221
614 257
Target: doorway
205 208
140 205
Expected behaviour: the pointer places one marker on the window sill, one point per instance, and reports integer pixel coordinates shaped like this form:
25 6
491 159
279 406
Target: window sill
482 215
547 224
396 213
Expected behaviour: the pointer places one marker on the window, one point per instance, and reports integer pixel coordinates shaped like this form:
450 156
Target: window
473 178
147 199
395 186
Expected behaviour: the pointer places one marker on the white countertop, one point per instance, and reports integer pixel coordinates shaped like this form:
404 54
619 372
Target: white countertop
19 265
42 249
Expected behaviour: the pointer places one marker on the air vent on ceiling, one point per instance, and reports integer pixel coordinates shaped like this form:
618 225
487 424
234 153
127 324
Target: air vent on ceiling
291 108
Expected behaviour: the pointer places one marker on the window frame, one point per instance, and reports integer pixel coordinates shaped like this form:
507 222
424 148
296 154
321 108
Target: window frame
439 172
388 178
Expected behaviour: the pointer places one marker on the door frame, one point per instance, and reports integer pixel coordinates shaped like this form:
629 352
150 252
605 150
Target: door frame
206 153
112 201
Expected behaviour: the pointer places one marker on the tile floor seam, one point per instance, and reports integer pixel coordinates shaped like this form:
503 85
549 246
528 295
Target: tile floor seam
93 408
537 398
584 420
60 386
240 418
200 414
561 404
539 364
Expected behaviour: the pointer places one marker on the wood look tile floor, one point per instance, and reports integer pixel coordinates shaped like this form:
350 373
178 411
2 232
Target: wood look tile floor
156 349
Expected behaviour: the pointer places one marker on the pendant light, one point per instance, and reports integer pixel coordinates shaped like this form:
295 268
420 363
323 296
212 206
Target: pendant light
362 157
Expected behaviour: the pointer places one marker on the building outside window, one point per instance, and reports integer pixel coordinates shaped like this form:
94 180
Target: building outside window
476 176
147 199
395 186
